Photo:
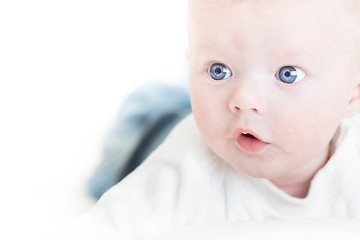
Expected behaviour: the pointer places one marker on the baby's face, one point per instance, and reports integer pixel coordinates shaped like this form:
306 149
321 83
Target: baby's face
270 83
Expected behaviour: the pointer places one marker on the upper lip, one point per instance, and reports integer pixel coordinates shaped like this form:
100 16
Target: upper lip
242 131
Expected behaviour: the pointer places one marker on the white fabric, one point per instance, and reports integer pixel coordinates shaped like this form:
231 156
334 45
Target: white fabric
184 184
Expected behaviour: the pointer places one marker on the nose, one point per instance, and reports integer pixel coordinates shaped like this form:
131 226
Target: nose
247 96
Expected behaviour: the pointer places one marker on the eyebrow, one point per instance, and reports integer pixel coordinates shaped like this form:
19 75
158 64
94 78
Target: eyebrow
290 54
280 52
204 45
295 54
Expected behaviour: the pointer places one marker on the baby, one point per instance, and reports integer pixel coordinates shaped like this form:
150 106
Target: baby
275 130
270 82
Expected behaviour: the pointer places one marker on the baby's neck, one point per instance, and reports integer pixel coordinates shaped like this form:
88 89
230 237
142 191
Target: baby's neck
298 184
299 190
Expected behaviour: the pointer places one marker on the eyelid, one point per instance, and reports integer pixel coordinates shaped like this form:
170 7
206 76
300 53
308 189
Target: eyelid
208 64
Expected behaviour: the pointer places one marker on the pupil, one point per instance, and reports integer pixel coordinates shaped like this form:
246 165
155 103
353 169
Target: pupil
287 74
218 71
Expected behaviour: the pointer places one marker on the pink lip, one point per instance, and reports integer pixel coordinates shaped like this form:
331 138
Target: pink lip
251 144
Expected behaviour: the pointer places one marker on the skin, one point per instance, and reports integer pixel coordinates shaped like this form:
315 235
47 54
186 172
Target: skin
298 120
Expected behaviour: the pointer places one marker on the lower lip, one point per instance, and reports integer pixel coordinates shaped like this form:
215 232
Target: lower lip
251 145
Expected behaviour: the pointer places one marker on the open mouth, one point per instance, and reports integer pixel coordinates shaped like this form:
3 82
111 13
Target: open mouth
249 135
249 142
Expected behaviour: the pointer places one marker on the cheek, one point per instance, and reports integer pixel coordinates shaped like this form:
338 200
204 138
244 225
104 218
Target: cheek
204 100
206 113
309 126
207 107
201 103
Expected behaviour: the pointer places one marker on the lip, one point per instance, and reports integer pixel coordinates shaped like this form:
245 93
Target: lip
248 141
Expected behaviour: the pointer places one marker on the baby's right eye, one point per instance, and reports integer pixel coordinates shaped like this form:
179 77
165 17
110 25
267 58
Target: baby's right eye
219 71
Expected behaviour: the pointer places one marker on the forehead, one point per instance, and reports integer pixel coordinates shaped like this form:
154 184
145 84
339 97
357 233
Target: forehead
348 5
288 23
239 12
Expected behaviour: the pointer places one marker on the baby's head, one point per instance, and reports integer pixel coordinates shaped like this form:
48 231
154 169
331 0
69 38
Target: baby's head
270 81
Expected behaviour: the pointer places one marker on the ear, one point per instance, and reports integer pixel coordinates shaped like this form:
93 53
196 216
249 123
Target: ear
354 103
187 53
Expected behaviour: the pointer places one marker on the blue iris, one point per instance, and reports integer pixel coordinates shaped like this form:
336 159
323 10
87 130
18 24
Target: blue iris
219 71
289 74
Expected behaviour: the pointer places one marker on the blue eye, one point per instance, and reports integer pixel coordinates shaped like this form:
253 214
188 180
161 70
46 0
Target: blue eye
219 71
289 74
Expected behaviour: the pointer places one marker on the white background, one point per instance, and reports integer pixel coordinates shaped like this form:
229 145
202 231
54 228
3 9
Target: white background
65 68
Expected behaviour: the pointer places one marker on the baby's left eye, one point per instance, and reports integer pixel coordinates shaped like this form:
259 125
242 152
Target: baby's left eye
289 74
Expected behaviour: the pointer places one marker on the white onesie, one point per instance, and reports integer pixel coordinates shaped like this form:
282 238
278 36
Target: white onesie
183 183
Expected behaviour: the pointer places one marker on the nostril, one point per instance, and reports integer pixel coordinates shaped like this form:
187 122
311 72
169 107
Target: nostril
236 109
